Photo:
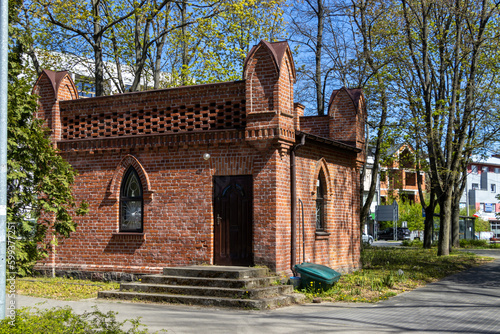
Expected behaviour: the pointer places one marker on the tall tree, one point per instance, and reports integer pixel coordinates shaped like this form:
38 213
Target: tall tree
39 180
166 42
90 21
368 20
307 23
447 47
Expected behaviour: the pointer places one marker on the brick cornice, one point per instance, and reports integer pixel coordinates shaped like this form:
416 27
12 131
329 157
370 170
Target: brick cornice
93 145
183 139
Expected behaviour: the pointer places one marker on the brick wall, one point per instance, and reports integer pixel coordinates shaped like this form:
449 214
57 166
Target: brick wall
347 116
248 128
53 87
317 125
196 108
339 246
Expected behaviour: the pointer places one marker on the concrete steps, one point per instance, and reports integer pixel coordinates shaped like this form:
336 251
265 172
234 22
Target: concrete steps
241 287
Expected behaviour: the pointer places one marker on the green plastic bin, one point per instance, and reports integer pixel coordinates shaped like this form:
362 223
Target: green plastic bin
316 276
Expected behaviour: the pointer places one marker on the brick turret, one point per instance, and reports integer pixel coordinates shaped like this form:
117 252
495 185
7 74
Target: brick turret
53 87
269 75
347 113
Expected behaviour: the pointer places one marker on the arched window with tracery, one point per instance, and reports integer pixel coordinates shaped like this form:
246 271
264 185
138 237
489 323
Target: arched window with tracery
131 203
320 203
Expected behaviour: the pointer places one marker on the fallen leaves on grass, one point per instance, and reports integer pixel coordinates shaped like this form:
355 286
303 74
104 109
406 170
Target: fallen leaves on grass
62 288
390 271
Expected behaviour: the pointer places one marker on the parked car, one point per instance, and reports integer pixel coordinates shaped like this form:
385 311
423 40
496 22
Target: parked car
388 234
367 239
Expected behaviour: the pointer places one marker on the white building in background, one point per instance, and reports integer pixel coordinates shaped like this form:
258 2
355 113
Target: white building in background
82 69
483 185
367 181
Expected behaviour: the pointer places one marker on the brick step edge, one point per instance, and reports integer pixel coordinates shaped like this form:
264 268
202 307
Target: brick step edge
254 293
212 282
258 304
216 272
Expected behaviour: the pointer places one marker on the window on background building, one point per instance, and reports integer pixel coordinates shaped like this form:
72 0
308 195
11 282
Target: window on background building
475 186
85 86
320 204
497 170
485 169
131 203
493 188
410 179
473 168
495 228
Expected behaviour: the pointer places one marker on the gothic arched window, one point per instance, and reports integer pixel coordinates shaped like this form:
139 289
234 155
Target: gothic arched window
320 204
131 203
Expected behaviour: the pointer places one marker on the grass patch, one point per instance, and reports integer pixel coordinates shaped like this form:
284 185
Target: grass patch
389 271
477 244
62 288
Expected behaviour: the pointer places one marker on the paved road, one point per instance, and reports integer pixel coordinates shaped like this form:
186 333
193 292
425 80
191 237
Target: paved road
468 302
386 243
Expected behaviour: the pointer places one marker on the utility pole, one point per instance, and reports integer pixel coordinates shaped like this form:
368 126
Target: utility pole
4 42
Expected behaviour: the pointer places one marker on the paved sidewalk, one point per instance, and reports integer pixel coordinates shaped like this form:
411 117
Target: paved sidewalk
467 302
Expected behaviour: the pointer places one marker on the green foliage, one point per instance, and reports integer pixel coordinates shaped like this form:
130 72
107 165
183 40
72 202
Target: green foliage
389 271
62 288
40 204
63 320
411 213
158 44
482 225
473 243
412 243
223 42
39 180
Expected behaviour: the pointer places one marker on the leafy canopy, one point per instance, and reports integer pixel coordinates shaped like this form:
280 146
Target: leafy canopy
39 199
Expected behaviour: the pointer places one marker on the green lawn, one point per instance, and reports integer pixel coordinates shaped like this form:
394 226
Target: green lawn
61 288
386 272
389 271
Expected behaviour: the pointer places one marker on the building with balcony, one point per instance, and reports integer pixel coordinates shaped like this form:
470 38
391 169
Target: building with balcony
398 175
483 186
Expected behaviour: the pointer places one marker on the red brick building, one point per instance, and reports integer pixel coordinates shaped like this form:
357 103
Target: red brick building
204 174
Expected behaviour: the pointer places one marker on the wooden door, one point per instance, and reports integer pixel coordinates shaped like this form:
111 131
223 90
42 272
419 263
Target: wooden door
233 220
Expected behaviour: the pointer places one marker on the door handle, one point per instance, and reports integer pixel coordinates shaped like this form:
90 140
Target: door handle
219 218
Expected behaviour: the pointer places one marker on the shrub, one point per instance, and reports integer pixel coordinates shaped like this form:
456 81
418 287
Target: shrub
471 243
412 243
62 320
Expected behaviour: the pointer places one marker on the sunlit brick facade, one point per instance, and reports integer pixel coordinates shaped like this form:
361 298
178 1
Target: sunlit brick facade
214 170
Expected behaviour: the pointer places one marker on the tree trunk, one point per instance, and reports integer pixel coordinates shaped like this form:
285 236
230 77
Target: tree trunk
429 220
383 117
30 51
184 44
455 222
99 68
319 48
428 227
119 79
97 46
445 220
159 51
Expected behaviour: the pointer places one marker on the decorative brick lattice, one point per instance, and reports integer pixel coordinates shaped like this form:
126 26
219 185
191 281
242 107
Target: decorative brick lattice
197 117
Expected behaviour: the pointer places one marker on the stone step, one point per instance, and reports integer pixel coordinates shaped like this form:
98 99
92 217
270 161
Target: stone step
216 272
205 291
245 283
260 304
210 286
